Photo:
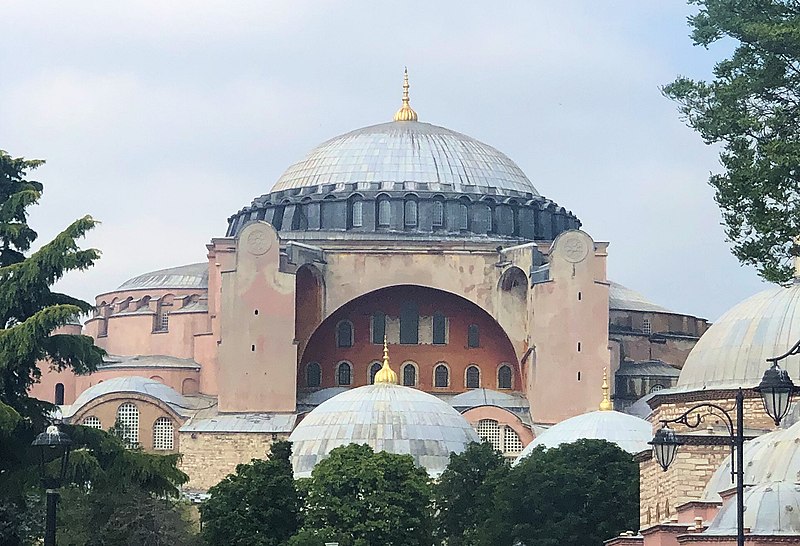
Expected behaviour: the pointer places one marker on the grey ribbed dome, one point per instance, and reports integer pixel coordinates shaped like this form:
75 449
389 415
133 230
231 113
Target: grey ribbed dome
386 417
418 156
733 352
184 276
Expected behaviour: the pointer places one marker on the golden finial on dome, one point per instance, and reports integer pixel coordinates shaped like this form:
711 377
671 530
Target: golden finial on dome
386 374
406 113
605 405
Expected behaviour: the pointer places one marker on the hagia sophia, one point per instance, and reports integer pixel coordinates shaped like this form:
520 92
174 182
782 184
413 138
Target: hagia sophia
407 286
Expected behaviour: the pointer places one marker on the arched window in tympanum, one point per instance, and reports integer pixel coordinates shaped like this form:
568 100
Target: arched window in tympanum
344 334
504 377
163 434
489 431
128 421
473 336
344 374
92 422
473 377
511 441
59 394
313 375
409 375
374 368
441 376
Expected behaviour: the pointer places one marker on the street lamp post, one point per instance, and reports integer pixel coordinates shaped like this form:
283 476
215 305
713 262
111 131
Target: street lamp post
776 390
53 445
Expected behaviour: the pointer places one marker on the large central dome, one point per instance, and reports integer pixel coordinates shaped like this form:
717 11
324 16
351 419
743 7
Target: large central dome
408 155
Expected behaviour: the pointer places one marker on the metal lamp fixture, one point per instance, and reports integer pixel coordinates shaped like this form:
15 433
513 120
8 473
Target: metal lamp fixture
53 445
665 446
776 387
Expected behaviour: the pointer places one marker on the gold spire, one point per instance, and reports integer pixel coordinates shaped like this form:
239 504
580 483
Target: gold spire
405 113
386 374
605 405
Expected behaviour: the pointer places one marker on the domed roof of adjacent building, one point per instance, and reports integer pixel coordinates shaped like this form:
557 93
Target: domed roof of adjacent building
184 276
770 509
734 350
131 384
412 154
387 417
626 299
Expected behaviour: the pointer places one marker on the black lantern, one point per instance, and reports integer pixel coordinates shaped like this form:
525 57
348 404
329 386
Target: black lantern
665 446
776 389
54 446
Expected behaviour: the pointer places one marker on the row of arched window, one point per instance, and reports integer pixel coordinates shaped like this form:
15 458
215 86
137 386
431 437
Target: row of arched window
128 421
409 329
163 306
409 375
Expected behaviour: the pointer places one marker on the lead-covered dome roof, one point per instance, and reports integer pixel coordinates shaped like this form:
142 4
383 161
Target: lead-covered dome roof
411 154
184 276
733 352
387 417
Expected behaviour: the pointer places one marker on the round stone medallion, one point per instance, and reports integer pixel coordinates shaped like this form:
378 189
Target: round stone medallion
258 241
575 247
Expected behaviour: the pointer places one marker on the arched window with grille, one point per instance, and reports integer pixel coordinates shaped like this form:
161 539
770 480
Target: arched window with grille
92 422
504 377
344 374
163 434
128 421
511 441
409 375
656 388
647 327
441 376
489 431
438 214
374 368
59 394
463 216
358 213
384 212
410 217
313 375
473 336
344 334
473 377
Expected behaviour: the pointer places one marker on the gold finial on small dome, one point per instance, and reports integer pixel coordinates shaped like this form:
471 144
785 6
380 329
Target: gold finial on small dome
605 405
386 374
406 113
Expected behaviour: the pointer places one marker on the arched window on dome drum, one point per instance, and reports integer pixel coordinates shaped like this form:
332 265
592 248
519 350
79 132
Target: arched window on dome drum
438 214
409 323
59 394
489 431
313 375
358 213
409 375
504 377
374 368
384 213
378 327
463 216
410 213
489 219
473 336
441 376
344 334
163 434
344 374
473 377
128 420
92 422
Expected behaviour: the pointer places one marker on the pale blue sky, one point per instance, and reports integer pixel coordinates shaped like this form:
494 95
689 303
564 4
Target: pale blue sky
163 118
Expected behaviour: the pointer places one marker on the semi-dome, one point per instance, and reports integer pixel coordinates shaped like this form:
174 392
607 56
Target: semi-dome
770 509
184 276
134 385
733 352
387 417
411 155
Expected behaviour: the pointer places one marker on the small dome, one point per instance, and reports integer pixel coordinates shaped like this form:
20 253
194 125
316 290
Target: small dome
734 350
131 384
623 298
413 155
184 276
628 432
386 417
488 397
769 509
771 457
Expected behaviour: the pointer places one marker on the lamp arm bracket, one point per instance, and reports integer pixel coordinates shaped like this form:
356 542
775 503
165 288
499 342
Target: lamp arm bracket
692 418
795 350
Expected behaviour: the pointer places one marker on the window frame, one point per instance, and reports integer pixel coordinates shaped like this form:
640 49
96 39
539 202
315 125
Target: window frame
446 368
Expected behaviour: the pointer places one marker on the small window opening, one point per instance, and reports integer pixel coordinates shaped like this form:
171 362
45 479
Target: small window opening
253 348
255 312
579 376
579 296
579 346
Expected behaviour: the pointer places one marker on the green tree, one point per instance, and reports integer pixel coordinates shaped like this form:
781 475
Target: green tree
752 108
577 494
256 506
465 491
359 498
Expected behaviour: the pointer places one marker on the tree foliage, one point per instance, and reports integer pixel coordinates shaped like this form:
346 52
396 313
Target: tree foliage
256 506
359 498
752 108
464 493
577 494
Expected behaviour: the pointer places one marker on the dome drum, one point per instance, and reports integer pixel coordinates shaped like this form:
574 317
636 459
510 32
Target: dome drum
450 214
